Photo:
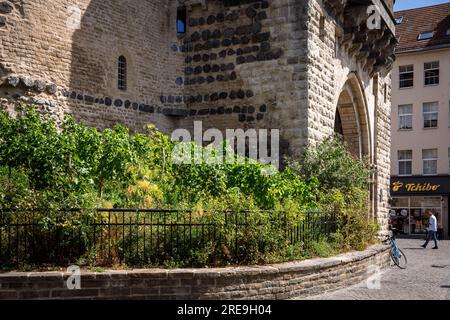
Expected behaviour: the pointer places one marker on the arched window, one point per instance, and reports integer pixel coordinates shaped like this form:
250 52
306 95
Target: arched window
122 73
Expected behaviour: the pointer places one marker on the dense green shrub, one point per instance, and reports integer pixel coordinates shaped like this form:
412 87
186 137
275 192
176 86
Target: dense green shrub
56 167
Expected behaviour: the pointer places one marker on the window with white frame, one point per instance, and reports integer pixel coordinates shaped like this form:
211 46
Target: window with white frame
430 115
406 74
405 114
425 35
431 73
404 162
430 159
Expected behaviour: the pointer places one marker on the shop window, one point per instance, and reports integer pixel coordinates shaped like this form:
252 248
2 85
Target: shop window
406 76
405 162
430 158
430 114
405 115
431 73
122 73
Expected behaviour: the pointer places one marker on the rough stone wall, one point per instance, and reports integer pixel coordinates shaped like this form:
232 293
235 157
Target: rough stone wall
281 281
240 70
65 68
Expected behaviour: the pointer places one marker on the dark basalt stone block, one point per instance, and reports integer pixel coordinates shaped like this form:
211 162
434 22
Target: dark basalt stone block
171 99
261 37
237 109
80 97
250 12
205 57
206 35
223 67
250 59
199 98
261 16
27 82
211 19
245 40
210 79
220 17
261 56
212 111
198 70
231 52
233 95
188 71
193 22
39 85
127 104
235 41
250 118
206 97
108 101
179 81
228 32
213 56
244 109
241 30
118 103
178 99
135 106
240 60
256 27
195 36
263 108
223 95
241 94
220 77
203 112
247 50
233 76
265 46
201 21
215 68
197 58
198 47
242 118
234 16
207 68
201 80
89 99
251 109
221 110
249 94
239 52
5 7
212 44
259 116
228 110
192 112
217 34
223 53
214 96
226 42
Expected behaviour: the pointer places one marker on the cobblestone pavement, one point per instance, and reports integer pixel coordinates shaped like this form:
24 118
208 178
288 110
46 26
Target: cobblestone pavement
427 277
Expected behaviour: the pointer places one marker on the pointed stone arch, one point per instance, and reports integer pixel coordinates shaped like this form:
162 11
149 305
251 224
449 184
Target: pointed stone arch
352 118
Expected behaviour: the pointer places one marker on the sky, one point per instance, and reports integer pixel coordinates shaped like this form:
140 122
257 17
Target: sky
411 4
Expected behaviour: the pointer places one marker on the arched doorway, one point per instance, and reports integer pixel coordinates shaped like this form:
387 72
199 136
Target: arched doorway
351 120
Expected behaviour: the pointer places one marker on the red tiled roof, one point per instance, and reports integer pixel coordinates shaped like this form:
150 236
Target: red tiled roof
415 21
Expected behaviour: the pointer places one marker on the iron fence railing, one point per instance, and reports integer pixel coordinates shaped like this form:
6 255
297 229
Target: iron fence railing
152 237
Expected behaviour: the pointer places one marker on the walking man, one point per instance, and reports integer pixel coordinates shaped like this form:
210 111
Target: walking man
432 231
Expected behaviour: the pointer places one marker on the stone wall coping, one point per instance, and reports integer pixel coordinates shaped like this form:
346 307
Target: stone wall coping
305 266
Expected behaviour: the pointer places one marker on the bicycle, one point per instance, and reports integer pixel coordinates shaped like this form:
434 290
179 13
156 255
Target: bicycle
397 255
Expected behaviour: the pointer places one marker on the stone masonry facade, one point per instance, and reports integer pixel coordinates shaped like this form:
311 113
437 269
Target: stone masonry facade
281 281
293 65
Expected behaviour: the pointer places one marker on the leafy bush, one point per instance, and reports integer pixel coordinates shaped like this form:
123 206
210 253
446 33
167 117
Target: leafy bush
333 165
57 167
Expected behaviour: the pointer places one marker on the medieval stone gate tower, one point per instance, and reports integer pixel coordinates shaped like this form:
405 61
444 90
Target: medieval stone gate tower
307 67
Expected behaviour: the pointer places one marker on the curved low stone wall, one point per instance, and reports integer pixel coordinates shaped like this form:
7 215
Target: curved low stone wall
279 281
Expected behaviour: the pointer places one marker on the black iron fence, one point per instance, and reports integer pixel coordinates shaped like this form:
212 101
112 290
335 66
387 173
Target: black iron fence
154 237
